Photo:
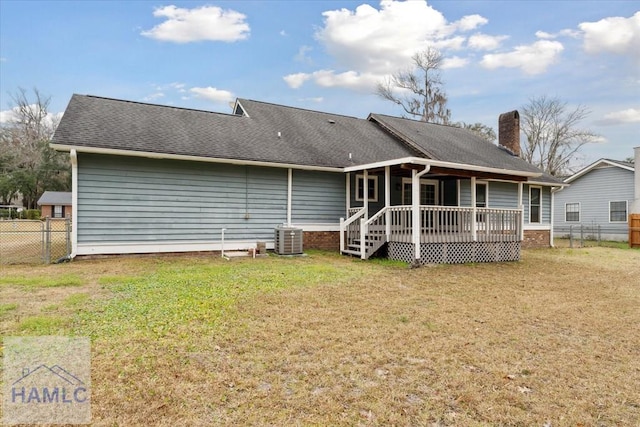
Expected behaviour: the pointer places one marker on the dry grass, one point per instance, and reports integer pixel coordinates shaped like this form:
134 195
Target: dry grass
550 339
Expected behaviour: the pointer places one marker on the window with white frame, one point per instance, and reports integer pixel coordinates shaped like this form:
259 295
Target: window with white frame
572 212
428 192
372 188
57 211
535 205
618 211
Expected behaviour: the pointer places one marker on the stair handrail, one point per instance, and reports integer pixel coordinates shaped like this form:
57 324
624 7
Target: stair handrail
344 223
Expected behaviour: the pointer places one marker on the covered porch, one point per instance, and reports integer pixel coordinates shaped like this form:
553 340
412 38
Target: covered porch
453 225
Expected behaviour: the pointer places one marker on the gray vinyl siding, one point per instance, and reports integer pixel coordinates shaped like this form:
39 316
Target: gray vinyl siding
126 199
317 197
594 190
503 195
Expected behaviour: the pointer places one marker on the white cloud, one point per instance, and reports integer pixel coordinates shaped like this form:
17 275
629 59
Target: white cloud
531 59
379 40
296 80
208 23
480 41
470 22
213 94
13 115
283 33
318 99
630 115
454 62
562 33
153 96
615 34
329 78
301 56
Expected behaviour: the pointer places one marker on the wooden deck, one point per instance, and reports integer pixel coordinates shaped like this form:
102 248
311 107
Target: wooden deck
438 224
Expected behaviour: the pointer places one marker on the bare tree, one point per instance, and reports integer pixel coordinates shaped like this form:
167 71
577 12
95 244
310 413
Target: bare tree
419 90
553 135
479 129
29 165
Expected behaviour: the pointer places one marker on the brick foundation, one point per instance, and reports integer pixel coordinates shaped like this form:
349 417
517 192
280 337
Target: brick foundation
326 240
534 239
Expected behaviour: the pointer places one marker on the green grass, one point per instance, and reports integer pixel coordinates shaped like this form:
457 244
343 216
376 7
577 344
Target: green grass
5 308
175 298
42 281
43 325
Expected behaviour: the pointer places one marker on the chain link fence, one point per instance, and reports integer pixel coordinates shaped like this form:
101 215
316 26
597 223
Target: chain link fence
30 241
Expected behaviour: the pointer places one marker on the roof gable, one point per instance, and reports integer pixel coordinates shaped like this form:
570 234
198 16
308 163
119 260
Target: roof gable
599 164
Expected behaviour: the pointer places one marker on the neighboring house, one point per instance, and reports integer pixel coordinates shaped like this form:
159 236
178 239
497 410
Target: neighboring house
598 199
151 178
55 204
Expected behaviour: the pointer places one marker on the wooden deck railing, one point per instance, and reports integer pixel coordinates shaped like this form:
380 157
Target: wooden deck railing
448 224
438 224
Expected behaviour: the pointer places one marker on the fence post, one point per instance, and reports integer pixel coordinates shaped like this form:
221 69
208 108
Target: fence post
571 236
47 241
581 236
68 235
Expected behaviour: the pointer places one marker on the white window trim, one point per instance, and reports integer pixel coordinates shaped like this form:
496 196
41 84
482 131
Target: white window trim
579 211
540 188
54 211
424 181
360 179
626 217
486 192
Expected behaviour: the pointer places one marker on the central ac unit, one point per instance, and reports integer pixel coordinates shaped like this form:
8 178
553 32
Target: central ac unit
288 240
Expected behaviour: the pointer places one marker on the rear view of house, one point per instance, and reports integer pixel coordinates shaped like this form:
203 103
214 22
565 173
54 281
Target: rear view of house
150 178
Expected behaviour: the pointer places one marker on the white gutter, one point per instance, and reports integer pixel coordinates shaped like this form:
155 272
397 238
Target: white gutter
74 203
151 155
439 163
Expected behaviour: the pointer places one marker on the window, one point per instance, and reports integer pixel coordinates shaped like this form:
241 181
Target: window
572 212
57 211
481 195
618 211
372 188
535 204
428 192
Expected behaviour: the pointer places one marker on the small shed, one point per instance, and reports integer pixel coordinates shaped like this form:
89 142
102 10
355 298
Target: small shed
55 204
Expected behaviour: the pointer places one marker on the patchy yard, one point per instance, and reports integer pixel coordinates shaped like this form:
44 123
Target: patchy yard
329 340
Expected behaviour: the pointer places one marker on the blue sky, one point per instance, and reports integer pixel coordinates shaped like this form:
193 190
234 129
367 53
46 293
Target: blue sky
328 55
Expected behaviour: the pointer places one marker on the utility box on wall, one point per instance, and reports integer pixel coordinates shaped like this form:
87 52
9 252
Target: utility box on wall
288 240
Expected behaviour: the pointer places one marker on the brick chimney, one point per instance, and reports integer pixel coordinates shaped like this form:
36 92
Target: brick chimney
509 132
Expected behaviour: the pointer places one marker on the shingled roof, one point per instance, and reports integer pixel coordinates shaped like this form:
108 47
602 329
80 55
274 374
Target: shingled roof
270 133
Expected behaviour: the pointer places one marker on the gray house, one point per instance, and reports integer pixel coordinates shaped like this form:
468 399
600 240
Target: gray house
599 199
150 178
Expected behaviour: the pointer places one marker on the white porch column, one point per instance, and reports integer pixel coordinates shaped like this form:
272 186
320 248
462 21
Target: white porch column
474 225
521 207
416 223
365 193
289 195
415 213
387 200
552 207
348 192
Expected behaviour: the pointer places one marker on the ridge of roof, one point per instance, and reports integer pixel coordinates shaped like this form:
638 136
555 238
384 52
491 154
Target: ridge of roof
401 136
308 110
149 104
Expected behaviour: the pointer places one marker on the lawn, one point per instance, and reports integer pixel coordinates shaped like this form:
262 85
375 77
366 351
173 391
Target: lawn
330 340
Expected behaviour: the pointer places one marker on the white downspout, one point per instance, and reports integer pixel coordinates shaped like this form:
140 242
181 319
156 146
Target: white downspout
289 195
74 203
365 193
348 192
415 208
